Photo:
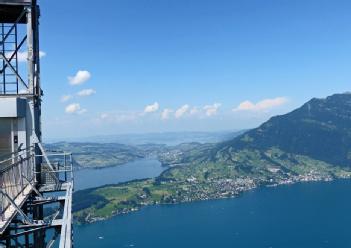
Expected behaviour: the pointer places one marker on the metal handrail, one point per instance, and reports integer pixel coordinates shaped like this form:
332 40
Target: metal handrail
16 154
61 170
17 175
20 172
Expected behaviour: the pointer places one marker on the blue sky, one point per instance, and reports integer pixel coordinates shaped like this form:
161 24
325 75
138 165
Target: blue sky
180 65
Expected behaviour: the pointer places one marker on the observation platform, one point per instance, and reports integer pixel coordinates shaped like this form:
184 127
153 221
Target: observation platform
18 187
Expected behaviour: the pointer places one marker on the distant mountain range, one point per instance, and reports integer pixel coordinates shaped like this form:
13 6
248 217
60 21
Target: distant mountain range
166 138
89 154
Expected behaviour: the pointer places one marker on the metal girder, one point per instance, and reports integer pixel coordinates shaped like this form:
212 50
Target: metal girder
13 70
47 200
66 231
32 186
45 156
22 14
19 210
14 53
52 241
39 224
30 230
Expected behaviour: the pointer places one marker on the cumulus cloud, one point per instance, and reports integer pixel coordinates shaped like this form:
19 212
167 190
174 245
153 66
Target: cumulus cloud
80 78
181 111
82 111
211 110
166 113
23 56
194 111
42 54
152 108
261 105
86 92
65 98
75 108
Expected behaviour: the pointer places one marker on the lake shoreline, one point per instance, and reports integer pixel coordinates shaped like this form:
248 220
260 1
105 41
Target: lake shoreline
90 220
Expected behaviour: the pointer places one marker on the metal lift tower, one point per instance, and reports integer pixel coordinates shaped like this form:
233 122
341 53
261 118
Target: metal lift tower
35 185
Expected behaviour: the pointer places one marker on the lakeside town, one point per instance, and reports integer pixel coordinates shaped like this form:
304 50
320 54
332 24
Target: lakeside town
193 189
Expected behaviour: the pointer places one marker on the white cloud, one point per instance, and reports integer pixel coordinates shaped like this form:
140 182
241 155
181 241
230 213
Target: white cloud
79 78
23 56
65 98
152 108
194 111
86 92
42 54
82 111
181 111
261 105
75 108
166 114
211 110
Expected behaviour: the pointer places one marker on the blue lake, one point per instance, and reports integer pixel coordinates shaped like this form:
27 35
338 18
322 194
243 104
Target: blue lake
90 178
306 215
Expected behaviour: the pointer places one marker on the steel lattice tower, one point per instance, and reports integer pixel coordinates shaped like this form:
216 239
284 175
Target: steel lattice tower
35 185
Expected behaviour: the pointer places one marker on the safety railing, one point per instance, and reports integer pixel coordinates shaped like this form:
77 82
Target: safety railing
16 173
57 168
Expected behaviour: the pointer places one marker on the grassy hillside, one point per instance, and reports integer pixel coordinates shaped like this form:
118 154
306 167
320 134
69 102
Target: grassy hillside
320 129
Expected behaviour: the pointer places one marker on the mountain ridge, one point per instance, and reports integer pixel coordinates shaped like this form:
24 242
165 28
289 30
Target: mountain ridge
320 128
